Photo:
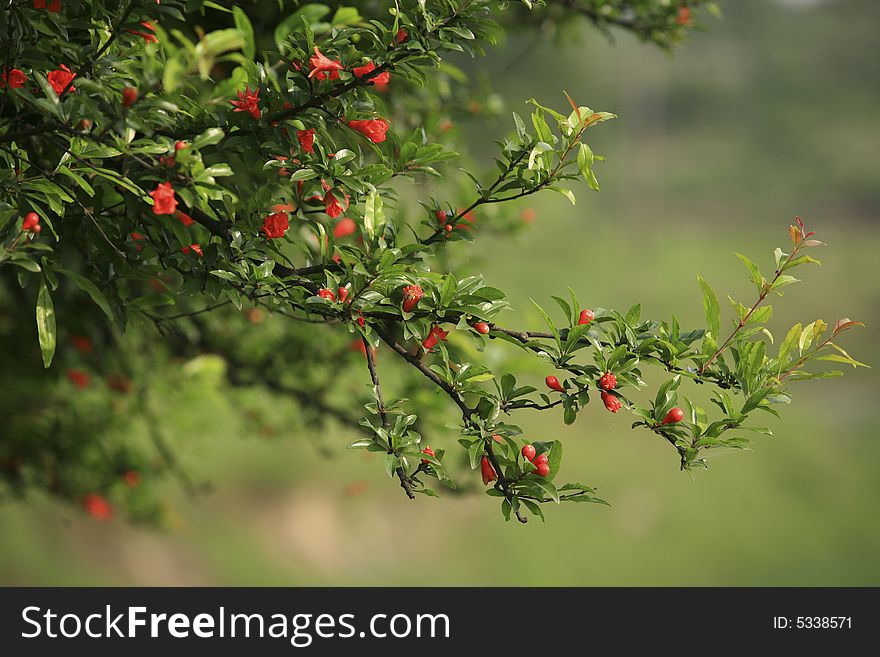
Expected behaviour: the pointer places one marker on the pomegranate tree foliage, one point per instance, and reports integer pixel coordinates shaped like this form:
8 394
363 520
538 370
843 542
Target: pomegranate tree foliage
217 196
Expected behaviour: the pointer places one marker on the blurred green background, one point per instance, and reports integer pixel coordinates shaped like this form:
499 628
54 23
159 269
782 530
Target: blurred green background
770 113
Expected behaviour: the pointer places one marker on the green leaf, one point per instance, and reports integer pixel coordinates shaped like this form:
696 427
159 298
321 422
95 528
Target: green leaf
374 215
710 308
546 486
754 272
46 324
585 161
788 344
243 24
91 289
209 137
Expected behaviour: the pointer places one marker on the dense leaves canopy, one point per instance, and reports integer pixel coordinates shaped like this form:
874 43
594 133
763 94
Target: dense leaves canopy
195 190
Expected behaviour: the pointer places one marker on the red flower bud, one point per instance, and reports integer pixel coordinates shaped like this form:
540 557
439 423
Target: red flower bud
674 415
129 96
97 506
607 381
434 337
82 343
487 471
586 317
180 145
611 402
411 296
360 321
528 451
448 228
482 328
401 36
343 294
31 220
324 293
78 378
429 452
683 17
131 478
553 383
344 228
542 470
441 216
539 459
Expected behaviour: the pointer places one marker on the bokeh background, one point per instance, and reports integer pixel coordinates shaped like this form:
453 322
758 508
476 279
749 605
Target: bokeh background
772 112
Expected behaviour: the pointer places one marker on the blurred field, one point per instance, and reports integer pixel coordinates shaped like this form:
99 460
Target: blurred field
770 114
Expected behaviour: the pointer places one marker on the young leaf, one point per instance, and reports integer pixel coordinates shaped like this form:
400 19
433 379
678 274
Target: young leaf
46 323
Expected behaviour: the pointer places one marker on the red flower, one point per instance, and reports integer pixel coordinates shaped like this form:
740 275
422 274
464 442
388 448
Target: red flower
248 102
131 478
129 96
148 37
344 228
183 217
411 296
275 225
163 199
136 237
434 337
306 139
487 471
402 35
192 248
611 402
60 78
379 81
324 293
322 64
78 378
54 6
15 78
97 506
82 343
333 207
372 129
